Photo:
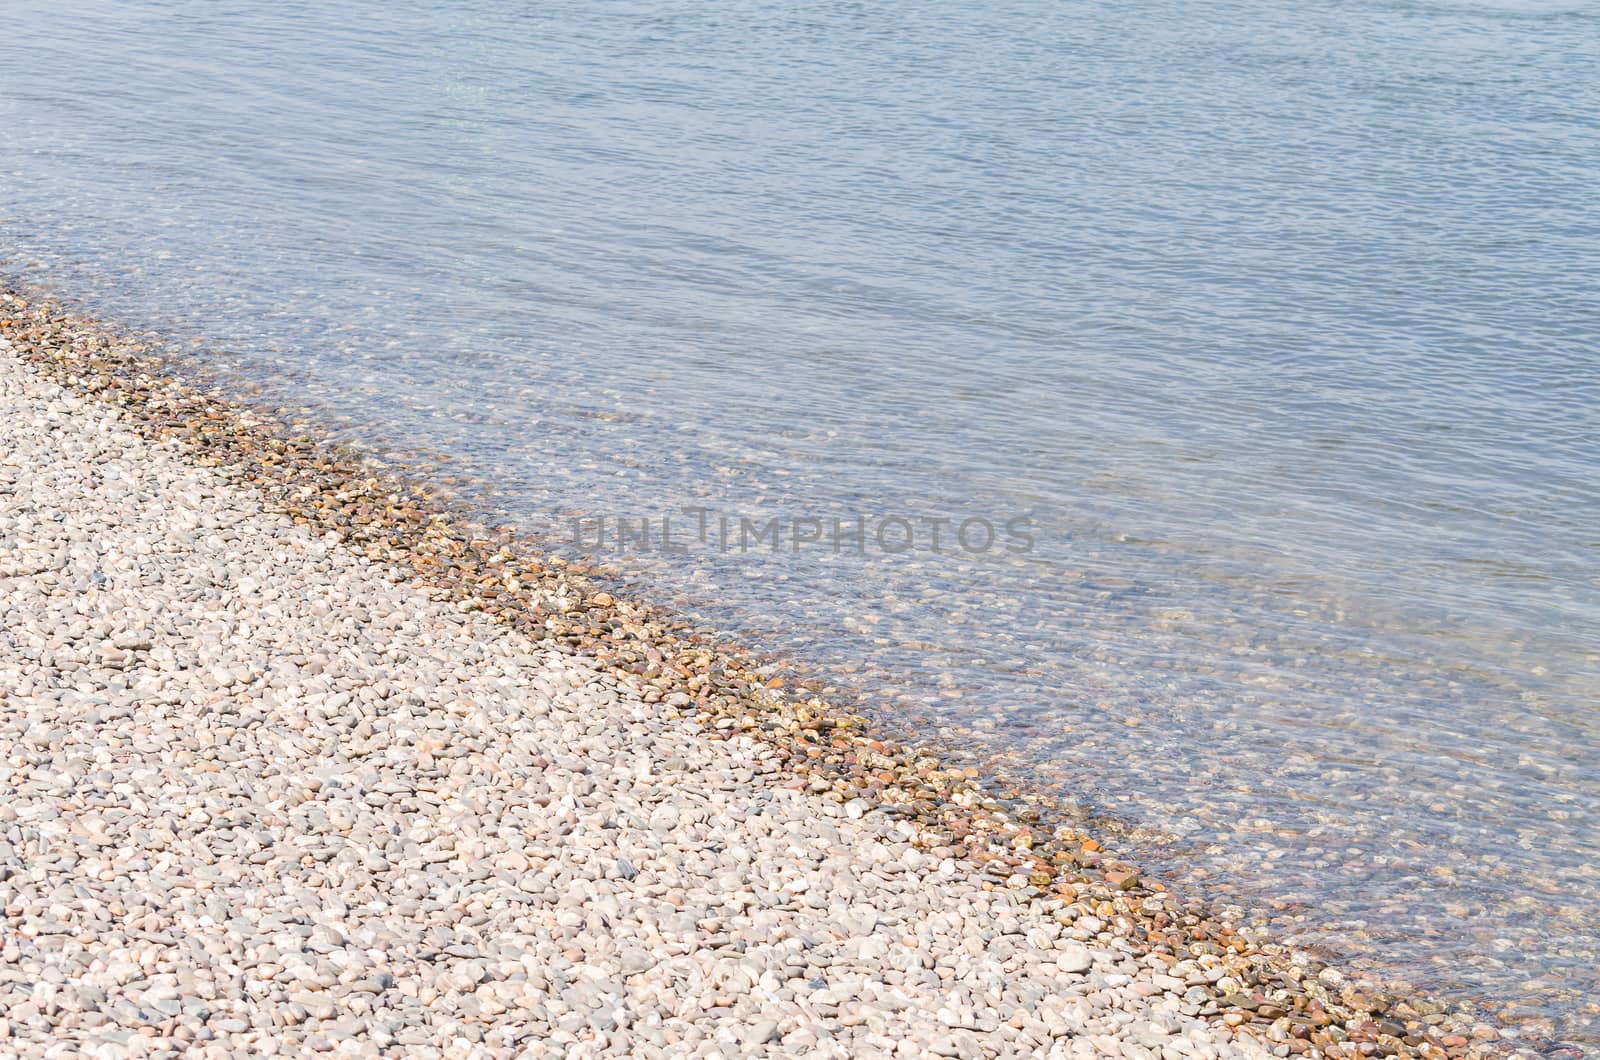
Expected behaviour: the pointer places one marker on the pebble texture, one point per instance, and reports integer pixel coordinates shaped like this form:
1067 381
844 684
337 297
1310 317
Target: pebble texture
1018 863
257 797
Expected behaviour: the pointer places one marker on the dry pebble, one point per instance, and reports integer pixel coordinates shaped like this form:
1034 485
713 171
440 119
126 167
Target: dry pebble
289 762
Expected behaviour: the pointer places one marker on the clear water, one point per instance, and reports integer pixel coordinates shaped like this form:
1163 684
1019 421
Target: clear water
1280 323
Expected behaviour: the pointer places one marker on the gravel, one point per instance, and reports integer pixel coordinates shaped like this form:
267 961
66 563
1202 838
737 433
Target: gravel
258 797
296 756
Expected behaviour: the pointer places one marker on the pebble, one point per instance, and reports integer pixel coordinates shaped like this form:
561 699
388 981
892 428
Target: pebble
308 796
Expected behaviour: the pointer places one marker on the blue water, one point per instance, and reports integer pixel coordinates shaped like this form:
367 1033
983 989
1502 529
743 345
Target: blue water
1278 327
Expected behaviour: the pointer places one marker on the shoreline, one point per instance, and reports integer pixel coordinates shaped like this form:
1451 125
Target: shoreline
1269 995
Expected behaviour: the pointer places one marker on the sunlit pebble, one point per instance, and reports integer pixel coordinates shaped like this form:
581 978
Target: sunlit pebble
259 797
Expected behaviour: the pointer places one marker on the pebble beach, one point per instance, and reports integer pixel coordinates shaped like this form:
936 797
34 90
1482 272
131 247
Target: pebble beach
294 759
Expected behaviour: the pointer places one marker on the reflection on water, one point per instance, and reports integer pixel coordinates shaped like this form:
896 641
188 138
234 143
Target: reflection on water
1279 325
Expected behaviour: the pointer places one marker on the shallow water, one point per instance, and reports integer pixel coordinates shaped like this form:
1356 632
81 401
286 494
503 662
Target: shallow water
1278 329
